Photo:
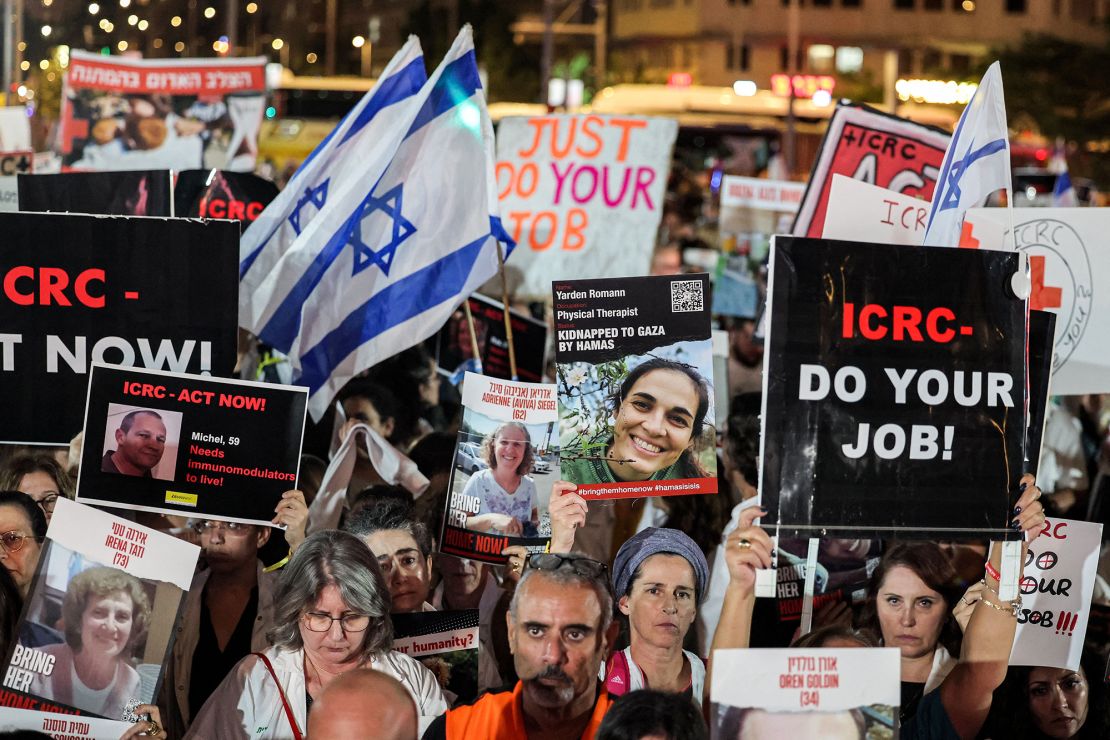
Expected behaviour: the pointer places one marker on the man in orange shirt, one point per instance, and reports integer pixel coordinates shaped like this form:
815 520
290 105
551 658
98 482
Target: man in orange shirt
560 629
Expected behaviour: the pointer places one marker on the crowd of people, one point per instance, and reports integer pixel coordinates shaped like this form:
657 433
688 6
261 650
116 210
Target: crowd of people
610 633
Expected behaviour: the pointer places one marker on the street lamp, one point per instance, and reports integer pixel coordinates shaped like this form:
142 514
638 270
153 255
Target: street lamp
365 49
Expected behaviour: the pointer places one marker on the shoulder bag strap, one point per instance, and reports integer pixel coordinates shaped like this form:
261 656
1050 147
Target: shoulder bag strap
284 701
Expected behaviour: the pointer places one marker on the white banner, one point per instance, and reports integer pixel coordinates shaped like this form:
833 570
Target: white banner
1070 270
1056 593
806 680
859 211
582 195
768 195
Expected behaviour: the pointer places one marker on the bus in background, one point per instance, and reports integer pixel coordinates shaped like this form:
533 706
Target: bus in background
300 112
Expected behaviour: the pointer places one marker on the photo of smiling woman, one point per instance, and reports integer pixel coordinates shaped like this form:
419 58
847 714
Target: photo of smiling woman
105 614
506 490
651 424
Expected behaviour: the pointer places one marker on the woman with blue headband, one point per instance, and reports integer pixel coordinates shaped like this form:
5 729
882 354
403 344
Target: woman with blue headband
659 576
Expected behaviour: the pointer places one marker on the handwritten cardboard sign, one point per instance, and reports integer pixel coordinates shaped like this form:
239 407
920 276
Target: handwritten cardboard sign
582 195
1056 592
1069 266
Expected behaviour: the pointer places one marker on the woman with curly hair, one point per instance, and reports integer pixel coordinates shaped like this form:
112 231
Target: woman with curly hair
106 613
39 476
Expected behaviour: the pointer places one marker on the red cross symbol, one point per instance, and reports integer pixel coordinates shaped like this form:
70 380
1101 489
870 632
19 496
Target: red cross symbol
1043 296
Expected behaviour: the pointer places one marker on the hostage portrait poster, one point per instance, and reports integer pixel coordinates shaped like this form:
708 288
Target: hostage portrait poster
506 461
894 391
189 444
103 602
634 363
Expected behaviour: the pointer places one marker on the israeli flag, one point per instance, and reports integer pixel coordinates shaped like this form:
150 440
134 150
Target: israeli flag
385 264
369 133
976 164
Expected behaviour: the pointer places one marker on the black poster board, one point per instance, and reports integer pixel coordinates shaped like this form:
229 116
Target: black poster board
160 293
137 193
222 194
189 444
845 453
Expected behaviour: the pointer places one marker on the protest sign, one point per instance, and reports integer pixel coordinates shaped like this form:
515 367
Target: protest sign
752 209
446 643
158 293
877 148
238 196
66 727
453 349
507 440
17 163
841 570
582 195
769 694
122 113
1042 335
134 193
189 444
1056 591
9 194
635 376
859 211
1070 269
893 391
96 568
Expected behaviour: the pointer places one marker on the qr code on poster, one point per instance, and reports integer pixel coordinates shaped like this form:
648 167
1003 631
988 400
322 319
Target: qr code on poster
686 296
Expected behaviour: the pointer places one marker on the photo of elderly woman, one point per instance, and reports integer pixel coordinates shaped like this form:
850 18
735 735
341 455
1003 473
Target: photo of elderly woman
638 419
102 662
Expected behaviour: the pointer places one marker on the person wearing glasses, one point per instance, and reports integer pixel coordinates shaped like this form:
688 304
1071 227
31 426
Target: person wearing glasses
331 615
560 625
505 489
39 476
228 611
22 531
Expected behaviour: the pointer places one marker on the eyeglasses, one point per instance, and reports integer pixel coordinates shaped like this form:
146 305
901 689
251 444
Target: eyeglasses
13 541
320 622
233 528
580 564
47 502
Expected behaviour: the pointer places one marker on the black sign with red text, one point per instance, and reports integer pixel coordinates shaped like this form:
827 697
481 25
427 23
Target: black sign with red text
158 293
190 444
894 391
221 194
453 347
138 193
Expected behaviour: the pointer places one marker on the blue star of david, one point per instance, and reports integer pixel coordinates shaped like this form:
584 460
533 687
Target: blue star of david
402 229
315 195
952 193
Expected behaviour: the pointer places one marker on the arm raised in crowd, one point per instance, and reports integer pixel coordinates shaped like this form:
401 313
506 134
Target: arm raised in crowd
746 550
568 512
989 636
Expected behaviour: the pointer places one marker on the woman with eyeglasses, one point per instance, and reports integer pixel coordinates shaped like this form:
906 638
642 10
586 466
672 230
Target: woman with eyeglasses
39 476
505 490
331 615
22 530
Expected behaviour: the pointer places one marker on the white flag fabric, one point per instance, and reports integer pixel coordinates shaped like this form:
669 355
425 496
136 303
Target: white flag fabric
389 259
976 164
368 134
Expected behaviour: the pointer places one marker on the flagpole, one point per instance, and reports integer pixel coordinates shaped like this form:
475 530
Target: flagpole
473 333
505 309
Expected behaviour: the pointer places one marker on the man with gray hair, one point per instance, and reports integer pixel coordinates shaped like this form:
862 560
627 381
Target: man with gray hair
560 629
